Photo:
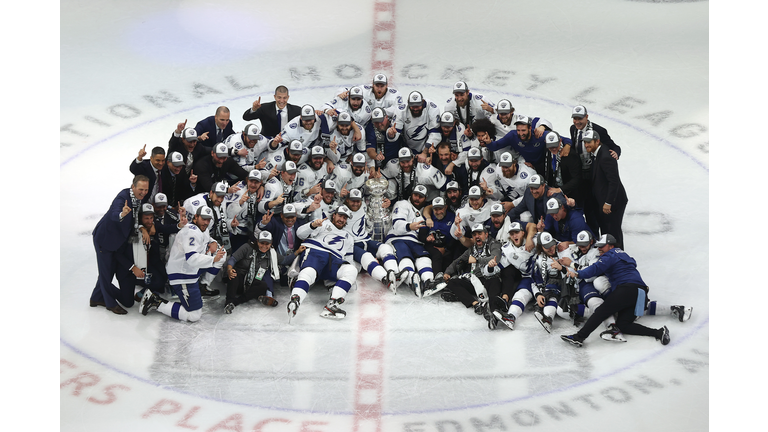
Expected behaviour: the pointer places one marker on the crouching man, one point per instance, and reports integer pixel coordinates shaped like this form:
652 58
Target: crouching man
252 270
192 254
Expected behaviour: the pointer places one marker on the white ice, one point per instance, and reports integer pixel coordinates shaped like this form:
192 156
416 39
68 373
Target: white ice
131 71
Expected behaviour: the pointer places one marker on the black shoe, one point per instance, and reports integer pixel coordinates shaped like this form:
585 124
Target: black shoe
573 340
117 310
449 296
664 338
205 292
97 303
229 308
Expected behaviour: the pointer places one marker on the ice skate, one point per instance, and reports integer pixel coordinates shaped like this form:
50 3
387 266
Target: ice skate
505 318
293 306
491 317
435 286
229 308
150 301
416 284
391 281
664 338
332 310
612 334
544 320
682 313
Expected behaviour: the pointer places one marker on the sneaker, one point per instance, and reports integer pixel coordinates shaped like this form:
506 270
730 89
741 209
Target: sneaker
505 318
449 296
332 310
682 313
267 301
544 320
664 338
229 308
612 334
416 284
205 292
573 340
149 301
293 306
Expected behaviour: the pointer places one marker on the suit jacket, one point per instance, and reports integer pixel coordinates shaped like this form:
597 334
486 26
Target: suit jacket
277 228
605 139
267 113
175 145
110 232
570 171
179 190
208 124
606 184
145 168
208 173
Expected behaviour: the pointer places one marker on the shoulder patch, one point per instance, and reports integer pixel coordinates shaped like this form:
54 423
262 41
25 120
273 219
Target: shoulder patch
293 125
367 87
523 174
278 158
367 109
490 170
192 226
342 166
478 97
449 100
433 105
426 166
394 161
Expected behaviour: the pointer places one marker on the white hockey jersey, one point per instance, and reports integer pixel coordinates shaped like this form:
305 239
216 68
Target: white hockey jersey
421 173
328 238
473 110
415 130
392 102
294 131
470 217
403 213
518 257
308 177
188 258
235 143
356 224
507 188
343 175
244 213
346 145
361 115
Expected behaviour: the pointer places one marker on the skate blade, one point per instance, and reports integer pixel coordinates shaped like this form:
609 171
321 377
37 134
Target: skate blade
611 338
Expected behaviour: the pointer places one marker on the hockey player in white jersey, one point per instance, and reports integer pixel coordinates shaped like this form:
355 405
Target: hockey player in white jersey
351 102
311 174
279 190
404 173
414 263
242 209
366 249
505 117
507 180
192 254
415 122
327 204
466 107
249 149
476 210
379 95
294 152
551 286
451 132
327 257
310 128
347 138
351 176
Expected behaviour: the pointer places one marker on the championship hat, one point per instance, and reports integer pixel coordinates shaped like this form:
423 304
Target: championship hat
329 185
553 205
147 208
536 181
438 202
356 92
160 200
344 210
317 151
355 195
405 154
478 227
344 118
583 238
420 189
506 160
446 119
307 112
521 119
189 134
177 159
254 175
415 99
552 139
497 209
460 87
219 188
221 150
579 111
265 236
590 135
516 226
474 153
452 185
358 159
546 240
475 192
204 212
289 210
252 131
606 239
290 167
296 147
378 115
504 107
379 79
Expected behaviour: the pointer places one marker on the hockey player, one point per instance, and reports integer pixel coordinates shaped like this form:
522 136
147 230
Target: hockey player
505 116
249 149
522 141
347 137
192 253
507 180
279 190
451 132
328 255
311 128
467 107
311 174
476 211
404 173
242 209
474 166
351 176
562 222
517 254
379 95
437 238
328 202
251 272
471 277
353 104
294 152
367 250
413 259
415 123
382 139
627 299
552 285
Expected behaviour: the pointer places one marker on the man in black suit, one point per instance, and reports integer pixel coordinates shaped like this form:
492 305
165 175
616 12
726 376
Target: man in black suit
214 168
177 185
184 141
150 168
214 129
273 115
113 248
581 124
563 172
607 189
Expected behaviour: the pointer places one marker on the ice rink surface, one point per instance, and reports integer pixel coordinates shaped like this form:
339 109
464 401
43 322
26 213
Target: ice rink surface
131 71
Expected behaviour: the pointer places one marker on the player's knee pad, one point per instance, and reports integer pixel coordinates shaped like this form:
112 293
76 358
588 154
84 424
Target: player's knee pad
385 252
194 315
424 263
306 278
347 273
602 284
366 260
406 264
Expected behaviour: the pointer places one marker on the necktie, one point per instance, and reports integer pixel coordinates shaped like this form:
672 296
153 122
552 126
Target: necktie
289 238
190 160
159 181
279 120
219 136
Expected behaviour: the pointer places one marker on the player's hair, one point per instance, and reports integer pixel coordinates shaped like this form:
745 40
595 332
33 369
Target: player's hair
140 178
484 125
222 109
157 151
281 89
443 145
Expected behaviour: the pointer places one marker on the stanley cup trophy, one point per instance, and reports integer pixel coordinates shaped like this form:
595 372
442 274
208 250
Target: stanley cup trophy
378 220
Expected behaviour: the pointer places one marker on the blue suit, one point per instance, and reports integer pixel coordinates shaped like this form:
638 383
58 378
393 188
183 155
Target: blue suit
114 255
208 124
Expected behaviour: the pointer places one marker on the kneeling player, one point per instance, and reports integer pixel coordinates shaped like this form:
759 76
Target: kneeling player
327 256
192 253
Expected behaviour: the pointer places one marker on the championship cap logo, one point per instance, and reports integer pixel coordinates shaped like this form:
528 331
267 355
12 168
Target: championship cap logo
420 189
356 92
355 195
504 107
344 118
358 159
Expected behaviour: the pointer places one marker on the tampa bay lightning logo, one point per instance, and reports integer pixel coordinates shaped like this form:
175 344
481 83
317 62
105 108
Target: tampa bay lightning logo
293 125
337 240
418 133
359 229
523 175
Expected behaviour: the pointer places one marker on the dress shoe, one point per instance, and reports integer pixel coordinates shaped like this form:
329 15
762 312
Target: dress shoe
117 309
97 303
